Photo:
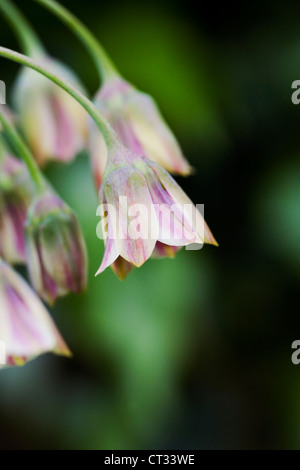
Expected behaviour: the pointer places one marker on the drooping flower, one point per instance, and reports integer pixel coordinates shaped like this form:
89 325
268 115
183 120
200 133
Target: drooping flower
137 120
16 194
54 124
145 213
55 248
26 328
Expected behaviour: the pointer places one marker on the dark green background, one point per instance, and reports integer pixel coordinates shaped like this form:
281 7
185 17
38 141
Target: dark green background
193 352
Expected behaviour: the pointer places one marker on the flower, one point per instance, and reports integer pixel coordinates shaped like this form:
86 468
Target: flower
55 248
54 124
16 193
137 120
26 328
145 213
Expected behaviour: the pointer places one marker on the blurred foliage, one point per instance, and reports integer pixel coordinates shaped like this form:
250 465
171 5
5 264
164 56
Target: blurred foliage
192 352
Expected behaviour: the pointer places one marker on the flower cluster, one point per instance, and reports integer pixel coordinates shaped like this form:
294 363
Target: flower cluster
144 212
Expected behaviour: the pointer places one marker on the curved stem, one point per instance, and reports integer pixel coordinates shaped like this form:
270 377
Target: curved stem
28 39
103 64
23 151
111 139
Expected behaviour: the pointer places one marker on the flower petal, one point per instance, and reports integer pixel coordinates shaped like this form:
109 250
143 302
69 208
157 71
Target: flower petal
26 328
135 238
154 135
110 255
175 228
194 217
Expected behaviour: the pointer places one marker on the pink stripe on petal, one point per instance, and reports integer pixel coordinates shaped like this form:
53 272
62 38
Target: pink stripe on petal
110 255
126 134
195 220
64 138
174 226
135 250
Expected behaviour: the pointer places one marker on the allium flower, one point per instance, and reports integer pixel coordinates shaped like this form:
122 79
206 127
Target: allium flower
56 252
145 213
136 119
26 328
16 193
54 124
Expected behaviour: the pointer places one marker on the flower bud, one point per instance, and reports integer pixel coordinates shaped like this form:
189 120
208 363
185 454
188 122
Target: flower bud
137 120
26 328
55 248
54 124
16 193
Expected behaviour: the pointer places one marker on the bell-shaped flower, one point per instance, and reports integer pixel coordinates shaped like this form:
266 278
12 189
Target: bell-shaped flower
16 193
145 213
56 251
54 124
26 328
137 120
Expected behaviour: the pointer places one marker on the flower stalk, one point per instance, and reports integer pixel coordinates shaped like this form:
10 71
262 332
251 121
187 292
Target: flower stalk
29 41
106 69
23 151
111 139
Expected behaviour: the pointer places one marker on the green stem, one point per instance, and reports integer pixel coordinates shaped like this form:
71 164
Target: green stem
2 149
103 63
30 43
23 151
111 139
